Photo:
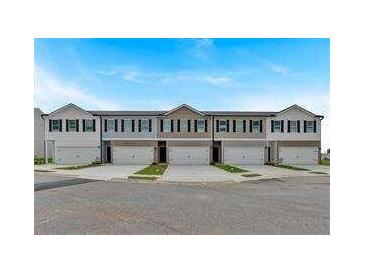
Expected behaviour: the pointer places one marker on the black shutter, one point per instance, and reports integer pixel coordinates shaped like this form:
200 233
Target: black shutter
149 125
195 125
227 126
234 126
133 125
178 125
139 125
66 125
105 125
83 125
77 125
250 125
217 126
161 125
289 126
50 125
94 127
298 126
260 125
206 125
60 125
122 125
189 125
305 126
116 125
272 125
244 125
282 125
172 125
314 126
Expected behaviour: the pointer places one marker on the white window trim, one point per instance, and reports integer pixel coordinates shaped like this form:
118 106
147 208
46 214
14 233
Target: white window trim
53 125
166 125
239 125
197 125
71 129
112 127
310 127
184 125
222 128
293 124
86 125
275 128
144 128
254 129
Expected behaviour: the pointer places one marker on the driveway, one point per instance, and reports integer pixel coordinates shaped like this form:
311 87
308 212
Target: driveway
197 173
275 172
104 172
316 168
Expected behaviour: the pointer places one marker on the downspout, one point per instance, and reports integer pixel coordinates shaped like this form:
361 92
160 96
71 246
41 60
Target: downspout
101 141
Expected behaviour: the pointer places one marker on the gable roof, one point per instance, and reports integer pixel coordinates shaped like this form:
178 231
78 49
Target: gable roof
300 108
184 106
68 106
125 113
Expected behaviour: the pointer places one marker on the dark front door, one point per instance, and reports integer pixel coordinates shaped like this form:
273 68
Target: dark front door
108 154
269 154
215 154
162 154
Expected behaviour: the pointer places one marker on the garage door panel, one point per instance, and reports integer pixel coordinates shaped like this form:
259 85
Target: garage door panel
124 155
76 155
298 155
189 155
244 155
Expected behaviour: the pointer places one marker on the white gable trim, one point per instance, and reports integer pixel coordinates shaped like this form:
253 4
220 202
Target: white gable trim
69 106
186 106
295 106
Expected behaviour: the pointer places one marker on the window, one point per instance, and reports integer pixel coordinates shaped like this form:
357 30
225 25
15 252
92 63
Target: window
183 125
88 125
310 126
55 125
239 126
167 125
256 126
110 125
200 125
71 125
277 126
144 125
222 126
128 125
293 126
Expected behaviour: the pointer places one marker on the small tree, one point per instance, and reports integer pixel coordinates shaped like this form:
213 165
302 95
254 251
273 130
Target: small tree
328 151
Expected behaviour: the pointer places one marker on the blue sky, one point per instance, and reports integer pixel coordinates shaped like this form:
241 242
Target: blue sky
208 74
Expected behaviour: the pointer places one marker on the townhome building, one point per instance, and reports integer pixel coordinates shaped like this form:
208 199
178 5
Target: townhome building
183 135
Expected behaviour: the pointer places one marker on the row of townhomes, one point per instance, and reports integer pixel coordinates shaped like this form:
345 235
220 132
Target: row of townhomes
182 135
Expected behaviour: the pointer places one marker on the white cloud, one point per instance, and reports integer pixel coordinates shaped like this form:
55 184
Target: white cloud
278 69
51 93
201 48
217 80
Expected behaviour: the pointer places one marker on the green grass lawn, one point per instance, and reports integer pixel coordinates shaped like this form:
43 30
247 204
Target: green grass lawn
325 162
77 167
291 167
41 161
151 178
229 168
153 170
251 175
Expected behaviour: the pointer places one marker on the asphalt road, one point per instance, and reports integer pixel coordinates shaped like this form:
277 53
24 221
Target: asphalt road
287 206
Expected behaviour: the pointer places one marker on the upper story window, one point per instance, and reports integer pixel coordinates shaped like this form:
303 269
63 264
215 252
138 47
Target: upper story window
309 126
200 126
167 125
256 126
144 125
55 125
239 126
71 125
293 126
110 125
277 126
183 125
128 125
89 125
222 125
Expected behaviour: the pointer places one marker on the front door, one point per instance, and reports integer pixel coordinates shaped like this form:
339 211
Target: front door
162 154
215 154
108 154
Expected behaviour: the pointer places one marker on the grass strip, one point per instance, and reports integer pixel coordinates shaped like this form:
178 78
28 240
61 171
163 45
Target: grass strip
153 170
231 169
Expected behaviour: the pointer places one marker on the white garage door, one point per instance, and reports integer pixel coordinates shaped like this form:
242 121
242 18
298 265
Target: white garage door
250 155
76 155
299 155
132 155
189 155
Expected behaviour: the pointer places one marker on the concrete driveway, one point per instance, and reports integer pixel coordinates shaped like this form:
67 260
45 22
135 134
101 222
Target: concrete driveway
273 172
316 168
197 173
104 172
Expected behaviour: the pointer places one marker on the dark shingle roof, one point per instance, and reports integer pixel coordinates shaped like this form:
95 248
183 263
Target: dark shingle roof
125 112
